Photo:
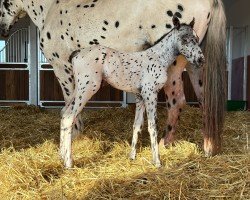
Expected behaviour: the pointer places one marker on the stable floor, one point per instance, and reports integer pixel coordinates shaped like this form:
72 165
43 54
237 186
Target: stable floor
30 167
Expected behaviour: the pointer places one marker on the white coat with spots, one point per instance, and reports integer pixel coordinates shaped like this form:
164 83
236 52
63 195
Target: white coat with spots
132 25
142 73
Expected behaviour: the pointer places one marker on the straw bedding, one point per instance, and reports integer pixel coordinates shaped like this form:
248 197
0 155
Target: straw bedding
31 169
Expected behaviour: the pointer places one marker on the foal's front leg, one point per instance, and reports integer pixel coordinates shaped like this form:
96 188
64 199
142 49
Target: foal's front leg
138 123
150 99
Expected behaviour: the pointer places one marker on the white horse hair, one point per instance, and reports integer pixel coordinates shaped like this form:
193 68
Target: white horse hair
134 25
143 73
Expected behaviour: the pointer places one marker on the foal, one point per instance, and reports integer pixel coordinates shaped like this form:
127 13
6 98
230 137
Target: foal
142 73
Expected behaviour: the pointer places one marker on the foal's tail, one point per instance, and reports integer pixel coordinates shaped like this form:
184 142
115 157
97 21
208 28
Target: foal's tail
215 79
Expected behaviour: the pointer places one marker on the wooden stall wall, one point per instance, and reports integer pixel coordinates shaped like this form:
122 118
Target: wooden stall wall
237 80
50 90
248 83
14 85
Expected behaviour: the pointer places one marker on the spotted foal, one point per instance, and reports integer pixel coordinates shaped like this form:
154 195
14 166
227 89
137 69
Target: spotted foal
142 73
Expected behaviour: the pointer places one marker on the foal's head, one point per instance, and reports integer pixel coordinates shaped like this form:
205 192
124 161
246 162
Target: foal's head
187 42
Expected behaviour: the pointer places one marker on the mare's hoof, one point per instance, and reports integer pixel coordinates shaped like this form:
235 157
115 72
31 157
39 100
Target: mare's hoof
211 148
164 142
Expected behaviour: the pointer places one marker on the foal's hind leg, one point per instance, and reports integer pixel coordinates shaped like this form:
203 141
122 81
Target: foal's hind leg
138 123
175 99
88 81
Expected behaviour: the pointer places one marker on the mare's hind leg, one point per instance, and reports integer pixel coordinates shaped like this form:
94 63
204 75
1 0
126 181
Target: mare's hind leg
175 99
196 77
138 123
64 74
88 81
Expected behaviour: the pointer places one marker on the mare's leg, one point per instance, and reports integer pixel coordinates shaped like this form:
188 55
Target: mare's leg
175 99
64 74
196 77
150 99
88 81
138 124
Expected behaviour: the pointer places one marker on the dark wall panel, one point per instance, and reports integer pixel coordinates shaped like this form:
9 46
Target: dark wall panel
248 82
51 90
14 85
237 79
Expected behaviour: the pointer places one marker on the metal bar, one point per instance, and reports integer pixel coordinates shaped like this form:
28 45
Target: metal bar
188 102
101 107
8 54
99 102
14 69
15 46
18 47
124 102
10 63
39 55
245 65
14 101
21 46
230 62
42 69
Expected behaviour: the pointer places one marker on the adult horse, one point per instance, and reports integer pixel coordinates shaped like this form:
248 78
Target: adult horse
133 25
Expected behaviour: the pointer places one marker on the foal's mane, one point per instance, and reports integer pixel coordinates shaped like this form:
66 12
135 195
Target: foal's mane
157 41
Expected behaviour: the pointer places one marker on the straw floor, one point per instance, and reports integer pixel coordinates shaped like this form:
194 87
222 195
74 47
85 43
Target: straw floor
31 169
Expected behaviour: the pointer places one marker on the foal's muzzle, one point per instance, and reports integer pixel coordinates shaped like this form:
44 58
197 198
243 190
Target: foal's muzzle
3 31
200 62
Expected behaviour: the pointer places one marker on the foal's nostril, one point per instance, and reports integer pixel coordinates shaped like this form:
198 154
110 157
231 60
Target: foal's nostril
201 60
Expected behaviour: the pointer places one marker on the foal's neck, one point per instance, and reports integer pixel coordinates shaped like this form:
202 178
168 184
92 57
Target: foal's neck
166 49
37 11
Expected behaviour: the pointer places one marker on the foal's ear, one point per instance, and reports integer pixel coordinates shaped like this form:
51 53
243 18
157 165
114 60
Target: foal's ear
192 23
176 22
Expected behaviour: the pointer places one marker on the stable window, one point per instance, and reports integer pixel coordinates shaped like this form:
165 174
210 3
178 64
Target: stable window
2 51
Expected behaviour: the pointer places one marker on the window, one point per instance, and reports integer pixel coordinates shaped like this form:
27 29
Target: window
2 51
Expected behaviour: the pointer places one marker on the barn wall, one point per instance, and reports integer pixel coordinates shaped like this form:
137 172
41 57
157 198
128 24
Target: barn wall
238 15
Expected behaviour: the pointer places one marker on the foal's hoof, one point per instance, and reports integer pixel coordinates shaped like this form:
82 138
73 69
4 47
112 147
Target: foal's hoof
158 164
68 164
132 156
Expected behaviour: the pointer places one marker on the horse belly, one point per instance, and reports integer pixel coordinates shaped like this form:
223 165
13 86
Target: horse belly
108 24
119 76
